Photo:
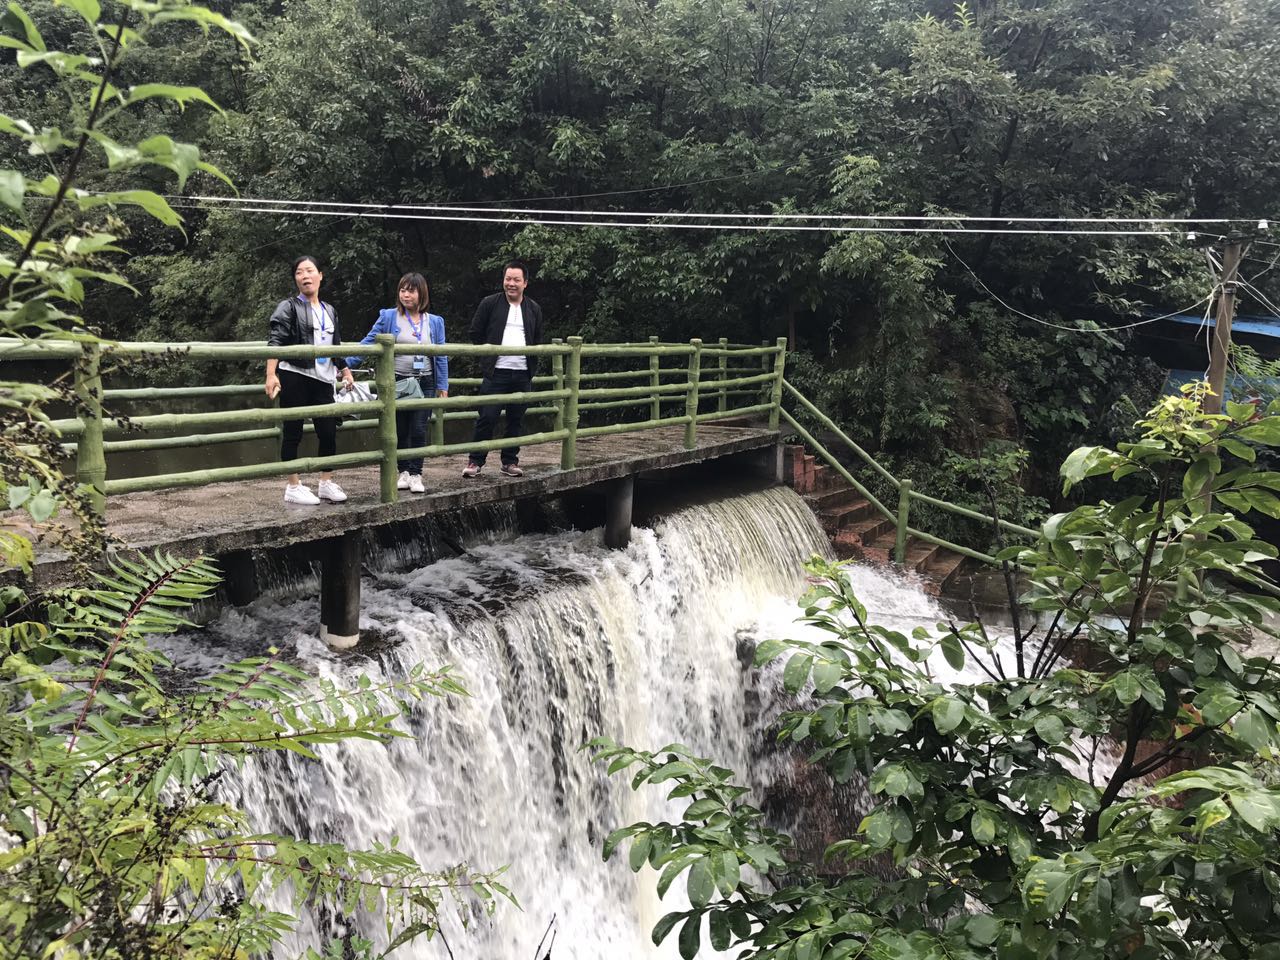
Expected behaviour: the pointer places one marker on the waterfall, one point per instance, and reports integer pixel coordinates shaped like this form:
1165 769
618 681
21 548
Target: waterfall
558 640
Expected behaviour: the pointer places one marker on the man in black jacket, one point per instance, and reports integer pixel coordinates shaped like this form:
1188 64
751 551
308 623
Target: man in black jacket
512 320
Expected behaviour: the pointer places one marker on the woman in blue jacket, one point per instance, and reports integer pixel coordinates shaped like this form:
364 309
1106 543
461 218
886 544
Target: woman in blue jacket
410 323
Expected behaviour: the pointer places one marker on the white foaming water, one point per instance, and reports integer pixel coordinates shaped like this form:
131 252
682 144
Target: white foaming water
558 640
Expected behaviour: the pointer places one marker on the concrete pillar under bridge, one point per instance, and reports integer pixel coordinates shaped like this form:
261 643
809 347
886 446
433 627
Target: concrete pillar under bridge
618 498
340 590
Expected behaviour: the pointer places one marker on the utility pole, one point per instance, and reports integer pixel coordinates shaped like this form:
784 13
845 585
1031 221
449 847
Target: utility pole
1221 349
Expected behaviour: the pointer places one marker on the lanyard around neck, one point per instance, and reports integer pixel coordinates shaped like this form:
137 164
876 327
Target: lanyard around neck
323 316
416 327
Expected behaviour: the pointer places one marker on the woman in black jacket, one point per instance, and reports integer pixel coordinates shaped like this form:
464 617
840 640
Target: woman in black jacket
306 319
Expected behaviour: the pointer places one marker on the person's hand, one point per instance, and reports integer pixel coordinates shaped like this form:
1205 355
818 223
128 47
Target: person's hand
442 393
273 386
348 379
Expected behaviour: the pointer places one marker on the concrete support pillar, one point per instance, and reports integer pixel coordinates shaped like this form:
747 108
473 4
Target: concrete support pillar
340 591
769 464
617 512
239 577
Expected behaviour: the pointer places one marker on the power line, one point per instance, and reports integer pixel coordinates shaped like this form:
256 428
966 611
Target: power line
696 215
522 220
1059 326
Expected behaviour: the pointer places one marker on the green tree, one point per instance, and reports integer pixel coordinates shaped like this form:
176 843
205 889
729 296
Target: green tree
1011 826
116 841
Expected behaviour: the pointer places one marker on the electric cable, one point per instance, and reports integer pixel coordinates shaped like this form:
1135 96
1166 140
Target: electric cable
521 220
694 215
1059 326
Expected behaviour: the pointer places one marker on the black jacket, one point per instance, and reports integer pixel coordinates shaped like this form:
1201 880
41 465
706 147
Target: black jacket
291 326
490 321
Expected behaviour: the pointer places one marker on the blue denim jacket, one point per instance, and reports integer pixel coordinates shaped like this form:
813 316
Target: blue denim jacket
388 322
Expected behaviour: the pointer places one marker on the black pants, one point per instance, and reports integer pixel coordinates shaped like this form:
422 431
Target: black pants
297 390
411 428
502 381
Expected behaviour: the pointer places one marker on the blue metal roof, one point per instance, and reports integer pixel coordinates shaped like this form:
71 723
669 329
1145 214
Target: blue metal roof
1262 325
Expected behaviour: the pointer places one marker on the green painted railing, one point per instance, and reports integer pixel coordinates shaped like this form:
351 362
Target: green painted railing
740 380
907 494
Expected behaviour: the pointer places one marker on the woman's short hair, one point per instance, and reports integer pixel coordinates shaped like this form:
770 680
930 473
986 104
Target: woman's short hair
415 281
299 261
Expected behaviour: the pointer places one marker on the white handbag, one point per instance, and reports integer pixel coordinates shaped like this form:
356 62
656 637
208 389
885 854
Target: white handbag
358 393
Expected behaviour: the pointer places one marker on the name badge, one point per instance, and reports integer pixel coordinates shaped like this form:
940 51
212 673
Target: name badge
419 363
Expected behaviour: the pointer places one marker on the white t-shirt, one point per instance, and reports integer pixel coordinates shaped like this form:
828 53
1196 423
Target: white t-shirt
321 336
513 336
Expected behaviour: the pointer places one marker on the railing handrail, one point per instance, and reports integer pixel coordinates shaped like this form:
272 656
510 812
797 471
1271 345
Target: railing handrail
906 491
565 396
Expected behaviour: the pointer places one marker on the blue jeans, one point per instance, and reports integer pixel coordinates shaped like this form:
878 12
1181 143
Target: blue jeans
502 381
411 430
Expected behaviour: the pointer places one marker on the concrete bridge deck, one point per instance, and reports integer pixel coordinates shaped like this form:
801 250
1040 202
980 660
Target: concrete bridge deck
230 520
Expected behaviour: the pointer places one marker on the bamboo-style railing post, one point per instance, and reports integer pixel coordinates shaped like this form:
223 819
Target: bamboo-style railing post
722 402
557 371
655 365
91 460
573 376
437 420
766 389
691 396
904 516
385 378
779 368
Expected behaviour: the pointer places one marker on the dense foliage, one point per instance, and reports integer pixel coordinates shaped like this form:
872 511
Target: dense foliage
117 841
1057 108
1100 784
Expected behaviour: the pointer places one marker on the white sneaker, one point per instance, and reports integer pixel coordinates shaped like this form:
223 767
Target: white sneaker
415 484
300 493
402 483
329 490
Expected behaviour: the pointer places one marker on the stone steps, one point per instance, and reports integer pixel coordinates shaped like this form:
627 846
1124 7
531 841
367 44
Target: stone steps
857 530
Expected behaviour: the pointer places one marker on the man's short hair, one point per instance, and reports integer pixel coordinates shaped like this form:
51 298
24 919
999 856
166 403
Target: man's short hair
516 265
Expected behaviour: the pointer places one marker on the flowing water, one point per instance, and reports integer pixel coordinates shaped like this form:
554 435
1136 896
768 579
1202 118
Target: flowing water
558 640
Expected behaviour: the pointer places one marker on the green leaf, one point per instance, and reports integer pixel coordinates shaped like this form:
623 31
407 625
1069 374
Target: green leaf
42 506
721 933
640 851
728 872
701 882
180 95
890 721
34 40
12 186
691 937
1126 687
1254 728
1241 450
1265 431
769 650
983 827
878 828
982 929
826 674
796 672
152 203
1257 809
896 780
1050 728
953 651
665 926
948 713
